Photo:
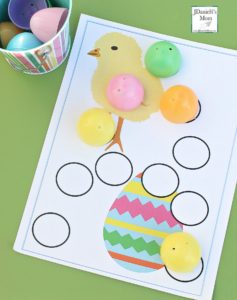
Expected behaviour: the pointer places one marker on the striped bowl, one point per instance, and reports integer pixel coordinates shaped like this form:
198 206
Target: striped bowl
46 57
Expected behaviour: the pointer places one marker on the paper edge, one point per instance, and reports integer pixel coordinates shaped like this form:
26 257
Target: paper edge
207 290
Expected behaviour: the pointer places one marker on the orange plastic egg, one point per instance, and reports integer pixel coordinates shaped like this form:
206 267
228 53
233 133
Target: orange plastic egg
179 104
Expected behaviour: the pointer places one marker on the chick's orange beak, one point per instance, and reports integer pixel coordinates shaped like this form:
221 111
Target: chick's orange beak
95 52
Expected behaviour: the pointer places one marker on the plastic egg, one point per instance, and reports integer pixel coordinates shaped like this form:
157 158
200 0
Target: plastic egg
7 31
136 226
125 92
49 3
4 10
163 59
60 3
21 11
179 104
181 252
47 22
96 127
23 41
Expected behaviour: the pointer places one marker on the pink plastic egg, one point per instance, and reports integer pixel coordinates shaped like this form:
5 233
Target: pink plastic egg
125 92
46 23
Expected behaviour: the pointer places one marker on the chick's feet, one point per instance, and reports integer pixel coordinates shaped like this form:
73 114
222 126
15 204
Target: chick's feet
116 139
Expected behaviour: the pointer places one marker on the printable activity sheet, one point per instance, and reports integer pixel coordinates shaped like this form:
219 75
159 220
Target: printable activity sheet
107 211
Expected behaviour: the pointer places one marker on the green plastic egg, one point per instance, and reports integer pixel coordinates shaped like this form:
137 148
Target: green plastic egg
163 59
4 10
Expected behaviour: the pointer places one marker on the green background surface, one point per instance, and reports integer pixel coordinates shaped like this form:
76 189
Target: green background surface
26 106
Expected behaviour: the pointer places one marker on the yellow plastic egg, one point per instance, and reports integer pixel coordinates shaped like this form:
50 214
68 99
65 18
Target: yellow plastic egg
179 104
180 252
96 127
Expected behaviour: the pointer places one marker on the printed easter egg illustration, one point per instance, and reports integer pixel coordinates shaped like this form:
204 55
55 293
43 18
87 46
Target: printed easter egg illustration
136 226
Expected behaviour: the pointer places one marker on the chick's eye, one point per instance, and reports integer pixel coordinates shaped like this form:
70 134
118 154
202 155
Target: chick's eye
114 48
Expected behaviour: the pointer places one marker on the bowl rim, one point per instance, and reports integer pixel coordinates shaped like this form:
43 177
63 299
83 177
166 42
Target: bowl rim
48 43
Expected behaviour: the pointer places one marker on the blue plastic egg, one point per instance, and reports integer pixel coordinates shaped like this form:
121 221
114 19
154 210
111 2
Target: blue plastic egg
23 41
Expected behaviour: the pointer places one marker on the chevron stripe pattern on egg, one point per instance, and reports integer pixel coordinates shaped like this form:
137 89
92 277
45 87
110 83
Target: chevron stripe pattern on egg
135 227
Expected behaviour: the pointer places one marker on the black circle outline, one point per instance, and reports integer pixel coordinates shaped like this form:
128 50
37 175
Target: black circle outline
194 137
51 213
161 164
187 281
198 114
113 184
190 225
74 163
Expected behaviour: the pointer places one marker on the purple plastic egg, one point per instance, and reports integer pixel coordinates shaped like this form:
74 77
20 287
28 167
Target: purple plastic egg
21 11
125 92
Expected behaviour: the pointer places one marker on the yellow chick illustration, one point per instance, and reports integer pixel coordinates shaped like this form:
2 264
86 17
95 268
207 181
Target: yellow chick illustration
117 54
